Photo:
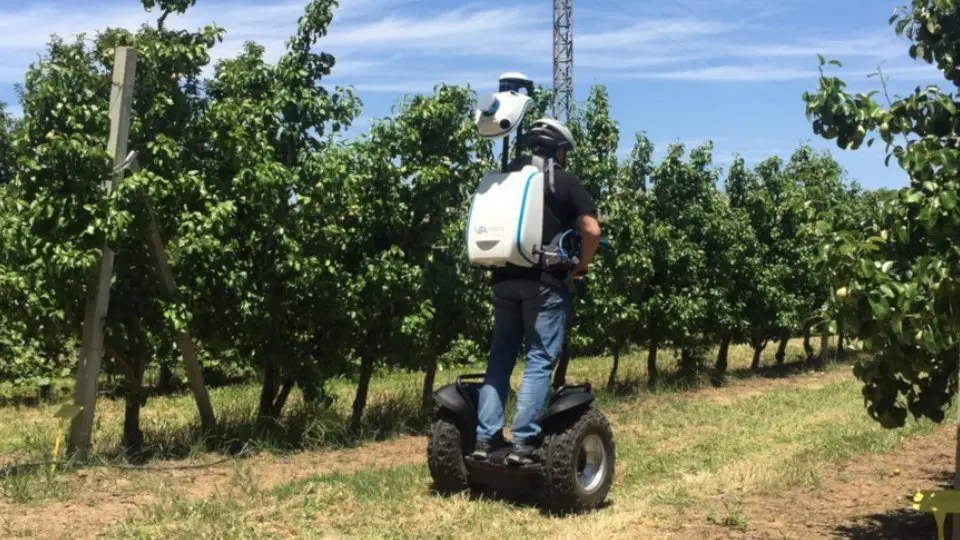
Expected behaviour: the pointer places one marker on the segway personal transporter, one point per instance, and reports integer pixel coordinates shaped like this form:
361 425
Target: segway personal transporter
573 467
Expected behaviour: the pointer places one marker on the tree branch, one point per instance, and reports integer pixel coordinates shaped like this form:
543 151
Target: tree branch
163 17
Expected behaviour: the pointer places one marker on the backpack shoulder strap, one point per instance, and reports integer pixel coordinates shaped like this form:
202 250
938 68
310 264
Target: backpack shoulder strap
537 162
546 166
553 188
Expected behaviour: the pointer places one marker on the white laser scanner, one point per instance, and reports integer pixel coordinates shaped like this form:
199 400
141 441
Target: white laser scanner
505 225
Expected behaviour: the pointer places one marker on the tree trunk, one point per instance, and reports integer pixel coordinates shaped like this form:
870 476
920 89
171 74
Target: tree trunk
363 387
276 408
269 390
687 364
429 377
314 392
612 379
782 346
841 352
132 434
820 360
759 344
807 347
165 381
652 375
720 373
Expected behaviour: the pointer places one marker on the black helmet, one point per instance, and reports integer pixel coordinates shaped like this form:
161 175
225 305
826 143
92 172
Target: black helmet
550 133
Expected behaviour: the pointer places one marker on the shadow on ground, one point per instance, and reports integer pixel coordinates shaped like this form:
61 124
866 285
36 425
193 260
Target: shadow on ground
519 500
677 381
895 525
306 428
900 524
239 432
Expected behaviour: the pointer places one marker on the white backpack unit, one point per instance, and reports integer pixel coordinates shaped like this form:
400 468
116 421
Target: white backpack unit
505 225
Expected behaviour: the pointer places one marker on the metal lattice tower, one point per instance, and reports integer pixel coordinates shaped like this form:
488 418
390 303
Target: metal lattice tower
562 59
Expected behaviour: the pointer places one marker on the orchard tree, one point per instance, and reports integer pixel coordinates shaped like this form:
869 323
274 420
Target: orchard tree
820 180
681 206
379 287
437 150
622 278
765 298
277 269
778 218
219 181
735 287
594 161
61 220
902 298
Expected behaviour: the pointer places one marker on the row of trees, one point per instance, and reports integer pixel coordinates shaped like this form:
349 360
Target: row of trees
302 256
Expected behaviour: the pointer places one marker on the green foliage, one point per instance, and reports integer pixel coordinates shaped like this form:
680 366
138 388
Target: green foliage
7 156
302 257
895 283
594 160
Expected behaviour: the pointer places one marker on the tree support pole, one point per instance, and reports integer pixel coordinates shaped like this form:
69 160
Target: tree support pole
184 342
955 518
91 351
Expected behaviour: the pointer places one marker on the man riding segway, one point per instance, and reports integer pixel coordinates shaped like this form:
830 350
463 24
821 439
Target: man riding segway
522 226
533 305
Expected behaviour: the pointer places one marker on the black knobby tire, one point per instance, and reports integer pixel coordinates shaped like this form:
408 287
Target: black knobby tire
445 450
562 492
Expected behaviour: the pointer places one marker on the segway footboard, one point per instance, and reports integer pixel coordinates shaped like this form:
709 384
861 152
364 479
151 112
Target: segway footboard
495 473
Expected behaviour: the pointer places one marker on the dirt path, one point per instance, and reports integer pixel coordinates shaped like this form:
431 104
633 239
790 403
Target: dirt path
102 496
869 497
99 498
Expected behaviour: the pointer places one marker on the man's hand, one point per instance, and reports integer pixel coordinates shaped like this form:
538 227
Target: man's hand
581 269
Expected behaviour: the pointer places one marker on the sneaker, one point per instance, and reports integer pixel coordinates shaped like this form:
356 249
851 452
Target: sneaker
484 448
522 454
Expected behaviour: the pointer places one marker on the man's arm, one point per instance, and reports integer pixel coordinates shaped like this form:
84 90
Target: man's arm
586 210
589 238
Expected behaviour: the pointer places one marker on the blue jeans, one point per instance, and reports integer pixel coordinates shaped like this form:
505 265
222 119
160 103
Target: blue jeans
539 313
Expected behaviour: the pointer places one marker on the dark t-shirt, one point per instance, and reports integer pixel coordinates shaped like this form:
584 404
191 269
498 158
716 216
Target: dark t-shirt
561 210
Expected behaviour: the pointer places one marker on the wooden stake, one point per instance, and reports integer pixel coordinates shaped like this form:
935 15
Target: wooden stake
91 351
955 518
184 343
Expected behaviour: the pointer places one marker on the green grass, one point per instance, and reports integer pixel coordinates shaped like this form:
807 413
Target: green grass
170 423
679 458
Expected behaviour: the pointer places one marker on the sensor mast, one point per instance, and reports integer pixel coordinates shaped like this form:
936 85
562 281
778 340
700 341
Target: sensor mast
562 59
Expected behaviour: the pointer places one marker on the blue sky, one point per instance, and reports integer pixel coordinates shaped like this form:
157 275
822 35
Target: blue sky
682 70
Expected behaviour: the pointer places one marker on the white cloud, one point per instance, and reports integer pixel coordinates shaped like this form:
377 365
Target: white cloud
650 32
728 73
768 73
410 45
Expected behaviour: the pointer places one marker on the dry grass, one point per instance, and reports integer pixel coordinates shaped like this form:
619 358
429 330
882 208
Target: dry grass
685 461
750 447
27 433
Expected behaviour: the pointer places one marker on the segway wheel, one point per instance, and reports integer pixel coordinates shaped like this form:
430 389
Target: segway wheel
445 450
579 455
